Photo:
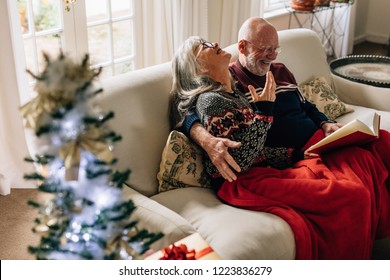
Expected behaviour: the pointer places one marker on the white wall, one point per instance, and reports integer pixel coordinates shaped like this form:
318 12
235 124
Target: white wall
361 20
378 21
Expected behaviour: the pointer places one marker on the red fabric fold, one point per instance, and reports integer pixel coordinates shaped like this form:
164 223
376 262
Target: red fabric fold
336 206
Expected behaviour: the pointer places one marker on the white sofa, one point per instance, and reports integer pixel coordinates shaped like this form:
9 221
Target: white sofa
140 102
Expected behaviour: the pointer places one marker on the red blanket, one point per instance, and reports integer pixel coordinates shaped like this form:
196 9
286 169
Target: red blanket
336 205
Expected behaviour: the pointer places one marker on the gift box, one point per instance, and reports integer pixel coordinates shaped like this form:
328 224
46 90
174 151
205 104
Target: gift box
192 247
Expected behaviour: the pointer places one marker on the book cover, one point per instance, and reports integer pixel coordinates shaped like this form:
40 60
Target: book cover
356 132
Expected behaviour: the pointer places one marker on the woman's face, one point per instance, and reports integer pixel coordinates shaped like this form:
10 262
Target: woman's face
212 57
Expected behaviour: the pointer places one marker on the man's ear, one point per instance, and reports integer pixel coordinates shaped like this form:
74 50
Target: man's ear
241 45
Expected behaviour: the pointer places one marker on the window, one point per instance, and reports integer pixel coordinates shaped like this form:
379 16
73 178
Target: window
43 30
103 28
110 28
272 5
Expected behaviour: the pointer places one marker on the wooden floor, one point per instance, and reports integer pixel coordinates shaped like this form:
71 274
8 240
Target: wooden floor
16 220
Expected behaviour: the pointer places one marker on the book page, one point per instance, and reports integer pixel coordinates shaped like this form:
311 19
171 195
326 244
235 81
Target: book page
371 121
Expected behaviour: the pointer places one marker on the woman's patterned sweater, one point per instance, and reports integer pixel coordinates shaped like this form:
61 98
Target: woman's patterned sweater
229 115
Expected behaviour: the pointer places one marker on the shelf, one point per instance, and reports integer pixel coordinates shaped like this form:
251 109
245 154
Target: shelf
330 22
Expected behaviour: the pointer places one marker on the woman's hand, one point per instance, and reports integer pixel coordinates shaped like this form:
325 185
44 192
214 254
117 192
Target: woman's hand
268 93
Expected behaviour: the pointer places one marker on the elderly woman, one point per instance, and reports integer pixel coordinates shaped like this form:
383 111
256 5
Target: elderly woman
202 82
336 205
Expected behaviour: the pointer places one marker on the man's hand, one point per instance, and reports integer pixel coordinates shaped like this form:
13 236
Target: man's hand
329 128
268 93
217 150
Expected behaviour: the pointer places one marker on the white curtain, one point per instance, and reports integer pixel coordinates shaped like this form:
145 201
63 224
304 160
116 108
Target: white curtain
162 25
167 23
234 13
13 147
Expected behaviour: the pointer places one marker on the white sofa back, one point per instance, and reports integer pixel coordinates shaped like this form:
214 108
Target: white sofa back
303 53
139 100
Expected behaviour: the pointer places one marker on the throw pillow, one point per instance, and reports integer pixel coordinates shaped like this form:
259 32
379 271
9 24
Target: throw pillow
181 164
322 95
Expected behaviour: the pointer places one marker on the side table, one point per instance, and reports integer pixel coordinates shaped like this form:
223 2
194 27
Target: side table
366 69
366 77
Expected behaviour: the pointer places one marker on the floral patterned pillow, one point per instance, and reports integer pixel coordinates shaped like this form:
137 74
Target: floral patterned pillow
322 95
181 165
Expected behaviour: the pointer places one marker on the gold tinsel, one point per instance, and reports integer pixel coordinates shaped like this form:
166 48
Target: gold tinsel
120 243
33 111
57 87
92 141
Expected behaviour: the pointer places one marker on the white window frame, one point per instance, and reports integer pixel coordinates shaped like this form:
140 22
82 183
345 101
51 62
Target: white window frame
110 21
273 5
33 35
274 8
74 29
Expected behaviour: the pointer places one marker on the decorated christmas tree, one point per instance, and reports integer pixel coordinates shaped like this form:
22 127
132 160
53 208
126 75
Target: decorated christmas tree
86 216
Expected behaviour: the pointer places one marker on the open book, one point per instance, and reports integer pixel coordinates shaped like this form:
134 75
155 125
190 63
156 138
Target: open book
356 132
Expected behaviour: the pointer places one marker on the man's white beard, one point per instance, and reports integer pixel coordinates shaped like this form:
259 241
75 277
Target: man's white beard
251 65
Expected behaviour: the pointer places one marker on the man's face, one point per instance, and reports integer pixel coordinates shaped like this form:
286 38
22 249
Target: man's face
260 54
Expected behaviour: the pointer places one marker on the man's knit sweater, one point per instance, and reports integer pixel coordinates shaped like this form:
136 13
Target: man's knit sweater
295 119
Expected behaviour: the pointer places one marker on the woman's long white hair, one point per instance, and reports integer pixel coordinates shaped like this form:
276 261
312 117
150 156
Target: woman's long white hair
188 83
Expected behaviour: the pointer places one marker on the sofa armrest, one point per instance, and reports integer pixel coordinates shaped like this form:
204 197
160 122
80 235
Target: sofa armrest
157 218
361 94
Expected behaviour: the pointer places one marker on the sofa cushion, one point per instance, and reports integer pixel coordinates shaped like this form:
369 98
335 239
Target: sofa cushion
233 233
157 218
181 164
322 95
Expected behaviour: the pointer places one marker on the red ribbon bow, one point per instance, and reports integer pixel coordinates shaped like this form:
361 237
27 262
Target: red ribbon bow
180 252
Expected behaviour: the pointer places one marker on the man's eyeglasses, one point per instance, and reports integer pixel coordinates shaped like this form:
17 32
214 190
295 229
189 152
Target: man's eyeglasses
267 49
